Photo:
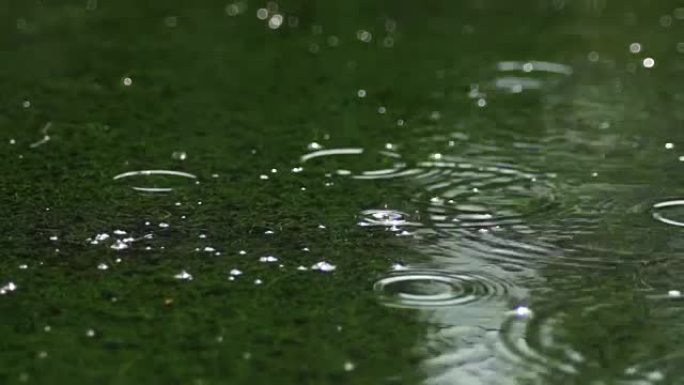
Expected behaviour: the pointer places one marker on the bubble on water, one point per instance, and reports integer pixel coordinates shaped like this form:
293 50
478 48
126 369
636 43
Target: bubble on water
7 288
54 238
268 259
674 293
127 81
163 225
119 232
635 48
349 366
90 333
648 62
433 289
12 141
183 275
302 268
275 21
262 13
179 155
119 245
209 249
158 181
263 177
235 272
364 35
666 211
258 281
361 93
23 266
102 266
324 267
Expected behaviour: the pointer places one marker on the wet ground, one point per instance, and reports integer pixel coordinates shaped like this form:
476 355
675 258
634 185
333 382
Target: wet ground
358 192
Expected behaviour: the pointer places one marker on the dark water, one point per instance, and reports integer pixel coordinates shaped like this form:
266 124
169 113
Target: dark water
357 192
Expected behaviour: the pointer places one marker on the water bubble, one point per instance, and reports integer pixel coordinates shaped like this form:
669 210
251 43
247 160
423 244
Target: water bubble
102 266
349 366
154 178
235 272
183 275
90 333
648 62
127 81
8 288
674 293
179 155
635 48
364 36
262 13
275 21
268 259
432 289
324 267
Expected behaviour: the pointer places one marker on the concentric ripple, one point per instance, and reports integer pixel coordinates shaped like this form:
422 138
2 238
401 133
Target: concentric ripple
665 211
155 181
432 289
359 163
460 194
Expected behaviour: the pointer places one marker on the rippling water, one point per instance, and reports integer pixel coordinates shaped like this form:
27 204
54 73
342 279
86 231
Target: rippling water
475 193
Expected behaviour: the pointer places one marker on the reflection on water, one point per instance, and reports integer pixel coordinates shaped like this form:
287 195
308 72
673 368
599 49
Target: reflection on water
437 193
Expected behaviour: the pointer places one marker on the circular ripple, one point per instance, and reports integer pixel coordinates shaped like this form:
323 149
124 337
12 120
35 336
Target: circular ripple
364 164
460 194
155 181
673 206
384 218
429 289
